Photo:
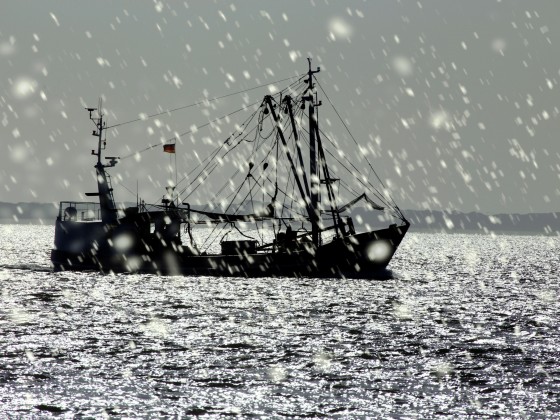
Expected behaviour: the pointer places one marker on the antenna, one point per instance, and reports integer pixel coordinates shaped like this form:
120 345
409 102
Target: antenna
100 126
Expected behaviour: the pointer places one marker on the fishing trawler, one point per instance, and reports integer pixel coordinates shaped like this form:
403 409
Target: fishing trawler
274 215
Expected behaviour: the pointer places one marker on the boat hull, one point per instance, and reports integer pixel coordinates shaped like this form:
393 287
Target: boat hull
363 255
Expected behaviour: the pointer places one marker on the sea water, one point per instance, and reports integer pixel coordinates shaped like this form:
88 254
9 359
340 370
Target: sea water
467 326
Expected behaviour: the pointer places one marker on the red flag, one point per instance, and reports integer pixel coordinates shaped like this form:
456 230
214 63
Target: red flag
169 148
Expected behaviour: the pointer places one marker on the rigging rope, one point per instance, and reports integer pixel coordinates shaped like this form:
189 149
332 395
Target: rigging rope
152 146
246 122
215 152
169 111
188 132
367 160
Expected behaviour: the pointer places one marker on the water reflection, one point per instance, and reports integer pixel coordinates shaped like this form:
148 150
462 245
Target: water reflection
446 336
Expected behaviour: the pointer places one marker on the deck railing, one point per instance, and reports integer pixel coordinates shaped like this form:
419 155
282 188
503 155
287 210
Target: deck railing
79 211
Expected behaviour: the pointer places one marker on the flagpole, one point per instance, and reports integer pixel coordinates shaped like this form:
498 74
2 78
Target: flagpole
170 148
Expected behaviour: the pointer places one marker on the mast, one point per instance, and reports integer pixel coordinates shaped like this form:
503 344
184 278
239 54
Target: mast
288 101
313 170
327 180
268 101
105 191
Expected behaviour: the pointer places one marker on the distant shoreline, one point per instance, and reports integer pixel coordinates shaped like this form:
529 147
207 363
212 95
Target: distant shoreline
426 221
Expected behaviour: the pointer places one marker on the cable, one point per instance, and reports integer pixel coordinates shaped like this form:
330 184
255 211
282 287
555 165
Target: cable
188 132
169 111
367 160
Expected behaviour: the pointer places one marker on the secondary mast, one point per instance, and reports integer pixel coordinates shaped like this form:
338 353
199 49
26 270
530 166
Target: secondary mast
105 191
313 170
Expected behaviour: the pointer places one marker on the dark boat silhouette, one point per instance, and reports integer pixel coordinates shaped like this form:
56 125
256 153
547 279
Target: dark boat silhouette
302 231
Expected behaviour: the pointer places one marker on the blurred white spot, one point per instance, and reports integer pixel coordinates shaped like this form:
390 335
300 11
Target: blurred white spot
134 263
171 78
322 361
7 48
409 92
103 62
401 311
19 316
338 27
276 374
379 251
55 19
547 296
30 356
403 66
442 370
24 87
16 133
407 126
499 45
156 327
441 120
494 220
293 55
123 242
18 153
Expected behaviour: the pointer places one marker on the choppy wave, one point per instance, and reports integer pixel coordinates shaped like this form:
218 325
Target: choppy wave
468 327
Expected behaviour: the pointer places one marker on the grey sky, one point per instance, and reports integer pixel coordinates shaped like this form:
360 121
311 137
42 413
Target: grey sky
460 98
